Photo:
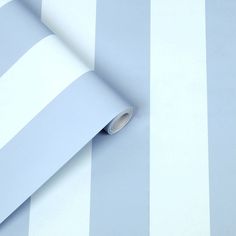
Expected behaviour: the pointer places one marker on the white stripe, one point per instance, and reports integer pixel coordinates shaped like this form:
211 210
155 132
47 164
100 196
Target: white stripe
74 21
4 2
56 208
179 194
33 81
64 208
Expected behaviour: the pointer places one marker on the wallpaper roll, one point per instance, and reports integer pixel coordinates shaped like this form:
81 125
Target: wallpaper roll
51 105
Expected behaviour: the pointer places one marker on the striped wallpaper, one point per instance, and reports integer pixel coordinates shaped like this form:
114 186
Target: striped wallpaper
172 170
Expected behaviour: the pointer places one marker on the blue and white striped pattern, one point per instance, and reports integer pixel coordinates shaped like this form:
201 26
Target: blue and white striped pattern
172 171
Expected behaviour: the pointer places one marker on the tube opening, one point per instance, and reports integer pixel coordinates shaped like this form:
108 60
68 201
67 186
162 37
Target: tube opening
119 122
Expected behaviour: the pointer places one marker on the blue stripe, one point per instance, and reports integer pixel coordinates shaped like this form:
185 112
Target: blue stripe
20 30
18 223
221 75
120 164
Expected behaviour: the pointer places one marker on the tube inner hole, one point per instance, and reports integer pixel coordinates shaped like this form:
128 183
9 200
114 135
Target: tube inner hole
120 122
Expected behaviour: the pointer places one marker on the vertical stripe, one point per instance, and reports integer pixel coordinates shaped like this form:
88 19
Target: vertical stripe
19 30
120 164
62 207
74 21
17 223
179 191
221 71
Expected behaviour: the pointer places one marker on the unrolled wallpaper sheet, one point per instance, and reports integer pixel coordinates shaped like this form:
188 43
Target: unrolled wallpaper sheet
51 103
72 71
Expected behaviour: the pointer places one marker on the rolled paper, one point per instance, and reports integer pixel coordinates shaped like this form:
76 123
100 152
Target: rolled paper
51 105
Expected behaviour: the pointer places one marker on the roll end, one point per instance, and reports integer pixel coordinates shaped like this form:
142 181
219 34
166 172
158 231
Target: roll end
120 121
